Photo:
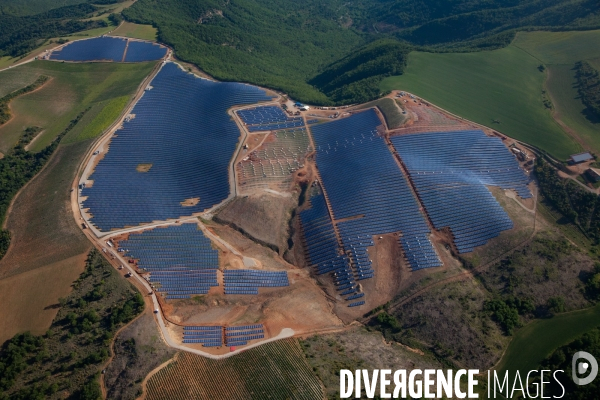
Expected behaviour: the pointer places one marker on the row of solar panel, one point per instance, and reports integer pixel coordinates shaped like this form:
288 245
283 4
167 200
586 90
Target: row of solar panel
108 48
180 109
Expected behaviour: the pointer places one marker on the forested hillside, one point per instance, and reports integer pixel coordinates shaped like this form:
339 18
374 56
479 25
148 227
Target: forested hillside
20 34
588 80
315 50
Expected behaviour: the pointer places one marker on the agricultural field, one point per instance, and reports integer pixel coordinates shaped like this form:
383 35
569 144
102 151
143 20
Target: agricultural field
73 88
273 370
503 89
129 29
48 247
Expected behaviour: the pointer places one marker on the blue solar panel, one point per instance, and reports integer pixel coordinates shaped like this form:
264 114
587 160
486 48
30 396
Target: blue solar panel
144 51
451 170
362 180
268 118
247 281
107 48
96 49
182 129
191 269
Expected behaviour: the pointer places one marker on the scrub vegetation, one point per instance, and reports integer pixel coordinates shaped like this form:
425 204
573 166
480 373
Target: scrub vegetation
65 362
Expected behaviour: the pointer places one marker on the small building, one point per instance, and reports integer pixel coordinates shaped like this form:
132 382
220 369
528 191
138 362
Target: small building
593 174
579 158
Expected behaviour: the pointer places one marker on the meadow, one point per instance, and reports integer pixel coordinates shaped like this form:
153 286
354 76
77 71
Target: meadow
72 89
538 339
137 31
503 89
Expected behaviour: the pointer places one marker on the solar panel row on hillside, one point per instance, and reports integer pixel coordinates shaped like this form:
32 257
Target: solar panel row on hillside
363 180
180 259
247 281
182 132
107 48
265 118
323 250
451 170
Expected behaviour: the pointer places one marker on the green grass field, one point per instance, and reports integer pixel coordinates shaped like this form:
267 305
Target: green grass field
502 85
538 339
505 85
560 47
74 88
129 29
562 86
101 116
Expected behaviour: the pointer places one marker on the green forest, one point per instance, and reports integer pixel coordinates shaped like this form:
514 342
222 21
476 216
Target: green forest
21 34
588 81
316 51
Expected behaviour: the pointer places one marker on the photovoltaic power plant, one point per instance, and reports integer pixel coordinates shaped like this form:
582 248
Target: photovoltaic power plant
108 48
208 336
247 281
212 336
323 250
144 51
182 132
451 170
96 49
365 185
241 335
267 118
180 259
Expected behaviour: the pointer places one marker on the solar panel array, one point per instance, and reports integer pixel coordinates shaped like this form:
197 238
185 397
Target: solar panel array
180 259
450 171
208 336
323 250
362 180
107 48
182 130
138 51
241 335
274 162
247 281
212 336
266 118
95 49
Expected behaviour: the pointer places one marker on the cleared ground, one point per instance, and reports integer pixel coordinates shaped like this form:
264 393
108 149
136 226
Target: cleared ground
303 306
73 89
263 217
129 29
275 370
